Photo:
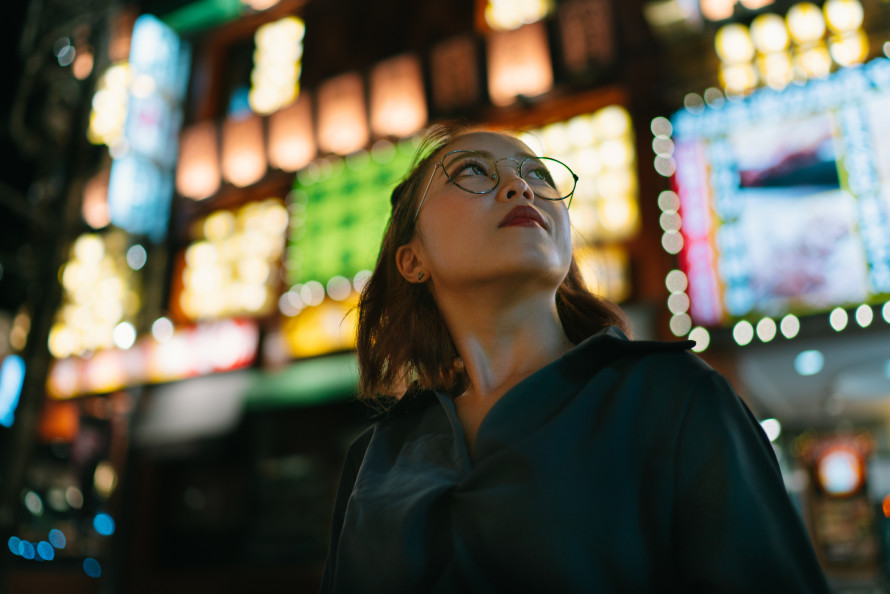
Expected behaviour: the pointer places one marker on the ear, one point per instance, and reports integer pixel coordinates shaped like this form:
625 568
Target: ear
409 263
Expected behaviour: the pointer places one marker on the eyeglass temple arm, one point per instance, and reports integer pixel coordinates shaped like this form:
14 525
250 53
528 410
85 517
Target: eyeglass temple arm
422 198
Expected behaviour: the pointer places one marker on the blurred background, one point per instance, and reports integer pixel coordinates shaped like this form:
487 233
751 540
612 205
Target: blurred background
192 194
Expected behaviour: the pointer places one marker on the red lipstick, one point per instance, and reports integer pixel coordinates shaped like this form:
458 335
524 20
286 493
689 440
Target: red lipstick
523 216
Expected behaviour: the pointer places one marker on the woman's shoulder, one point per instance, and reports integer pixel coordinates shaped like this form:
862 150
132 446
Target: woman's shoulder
650 369
612 347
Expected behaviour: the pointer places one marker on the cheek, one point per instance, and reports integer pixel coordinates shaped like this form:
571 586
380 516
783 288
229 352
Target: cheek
449 234
563 231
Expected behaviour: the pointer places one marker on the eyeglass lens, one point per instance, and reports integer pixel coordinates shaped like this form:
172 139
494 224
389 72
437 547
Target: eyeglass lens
478 173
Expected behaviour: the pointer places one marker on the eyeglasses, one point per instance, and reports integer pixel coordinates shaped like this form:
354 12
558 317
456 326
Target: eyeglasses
477 173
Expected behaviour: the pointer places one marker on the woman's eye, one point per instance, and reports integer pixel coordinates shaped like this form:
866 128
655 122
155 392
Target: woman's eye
470 168
539 174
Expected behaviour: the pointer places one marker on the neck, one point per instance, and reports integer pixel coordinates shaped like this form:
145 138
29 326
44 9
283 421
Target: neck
501 338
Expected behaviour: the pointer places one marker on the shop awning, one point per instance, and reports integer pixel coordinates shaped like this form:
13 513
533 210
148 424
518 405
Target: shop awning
310 382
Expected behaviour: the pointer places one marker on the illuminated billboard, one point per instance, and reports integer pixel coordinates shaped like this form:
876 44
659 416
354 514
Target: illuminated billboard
140 188
339 210
784 198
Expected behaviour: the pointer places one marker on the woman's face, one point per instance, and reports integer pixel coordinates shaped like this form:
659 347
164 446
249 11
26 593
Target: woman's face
508 233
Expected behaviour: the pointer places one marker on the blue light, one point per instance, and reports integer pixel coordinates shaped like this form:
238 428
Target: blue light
239 104
809 362
12 375
45 550
15 545
104 524
27 550
91 567
57 538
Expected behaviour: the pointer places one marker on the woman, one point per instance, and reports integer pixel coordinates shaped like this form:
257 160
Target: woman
537 449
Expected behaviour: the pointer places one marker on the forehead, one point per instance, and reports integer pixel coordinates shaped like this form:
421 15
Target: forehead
498 144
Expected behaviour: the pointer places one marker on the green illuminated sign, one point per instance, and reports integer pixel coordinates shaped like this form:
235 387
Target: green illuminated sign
204 14
339 210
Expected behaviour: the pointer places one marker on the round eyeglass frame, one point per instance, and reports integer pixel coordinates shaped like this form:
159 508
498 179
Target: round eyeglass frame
441 163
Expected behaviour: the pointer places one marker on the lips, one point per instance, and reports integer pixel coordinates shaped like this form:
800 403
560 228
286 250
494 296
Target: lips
523 216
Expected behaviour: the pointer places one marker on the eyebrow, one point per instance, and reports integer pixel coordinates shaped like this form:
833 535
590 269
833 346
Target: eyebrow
522 155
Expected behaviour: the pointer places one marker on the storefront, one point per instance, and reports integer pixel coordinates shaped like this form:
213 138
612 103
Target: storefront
201 395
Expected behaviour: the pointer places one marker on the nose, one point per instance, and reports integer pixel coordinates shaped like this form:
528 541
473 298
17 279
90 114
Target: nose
512 185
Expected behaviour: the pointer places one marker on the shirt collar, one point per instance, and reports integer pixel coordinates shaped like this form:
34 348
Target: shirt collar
610 342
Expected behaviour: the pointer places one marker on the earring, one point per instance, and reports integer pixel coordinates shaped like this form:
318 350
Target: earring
420 276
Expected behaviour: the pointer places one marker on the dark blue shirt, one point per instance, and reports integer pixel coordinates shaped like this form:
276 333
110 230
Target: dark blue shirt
623 466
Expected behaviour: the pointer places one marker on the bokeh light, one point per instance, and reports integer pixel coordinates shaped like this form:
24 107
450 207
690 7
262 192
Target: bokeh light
772 428
743 333
809 362
838 319
864 315
92 568
701 337
57 538
45 550
766 329
790 326
104 524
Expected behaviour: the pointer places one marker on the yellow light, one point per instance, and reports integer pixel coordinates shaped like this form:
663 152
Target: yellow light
518 64
62 341
197 175
843 16
589 164
617 152
506 15
555 138
776 69
733 44
814 61
618 216
599 148
95 200
109 106
614 183
276 69
260 5
805 23
604 270
769 34
110 288
738 78
398 105
254 271
342 123
105 478
201 254
219 225
717 10
580 129
231 272
89 249
849 49
322 329
243 154
611 122
291 142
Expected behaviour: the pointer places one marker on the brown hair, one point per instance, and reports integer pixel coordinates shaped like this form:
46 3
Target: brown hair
402 337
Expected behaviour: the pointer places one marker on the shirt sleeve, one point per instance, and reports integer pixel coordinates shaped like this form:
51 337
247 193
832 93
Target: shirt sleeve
735 529
354 456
